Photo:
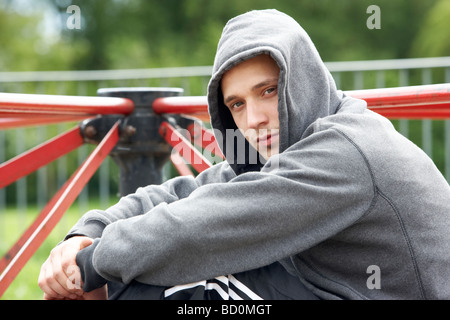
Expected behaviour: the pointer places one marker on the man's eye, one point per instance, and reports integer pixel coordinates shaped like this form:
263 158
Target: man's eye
270 90
236 105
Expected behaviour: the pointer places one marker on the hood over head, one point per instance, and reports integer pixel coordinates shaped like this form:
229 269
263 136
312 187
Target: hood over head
306 89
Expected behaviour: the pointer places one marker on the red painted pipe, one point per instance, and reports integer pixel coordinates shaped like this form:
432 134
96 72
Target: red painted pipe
427 101
184 147
39 156
204 138
436 95
63 105
196 106
181 166
22 120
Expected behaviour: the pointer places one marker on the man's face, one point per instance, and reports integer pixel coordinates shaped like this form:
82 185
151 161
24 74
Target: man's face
250 92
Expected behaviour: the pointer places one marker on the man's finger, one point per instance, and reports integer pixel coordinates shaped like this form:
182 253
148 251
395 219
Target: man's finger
52 287
60 276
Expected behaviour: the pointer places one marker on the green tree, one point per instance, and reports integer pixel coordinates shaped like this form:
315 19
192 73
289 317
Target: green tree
152 33
433 38
25 44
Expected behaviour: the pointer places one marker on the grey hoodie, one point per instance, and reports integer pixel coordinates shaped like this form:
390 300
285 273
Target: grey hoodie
350 206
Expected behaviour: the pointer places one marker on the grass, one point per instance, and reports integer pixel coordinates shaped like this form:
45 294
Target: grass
12 224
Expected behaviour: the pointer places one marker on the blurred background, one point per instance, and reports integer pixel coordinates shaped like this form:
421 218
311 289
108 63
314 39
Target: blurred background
125 34
172 43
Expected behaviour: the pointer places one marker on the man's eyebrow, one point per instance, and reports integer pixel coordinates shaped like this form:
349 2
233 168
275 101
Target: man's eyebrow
229 99
255 87
264 83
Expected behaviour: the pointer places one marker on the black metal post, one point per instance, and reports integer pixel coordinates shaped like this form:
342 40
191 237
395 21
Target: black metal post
141 152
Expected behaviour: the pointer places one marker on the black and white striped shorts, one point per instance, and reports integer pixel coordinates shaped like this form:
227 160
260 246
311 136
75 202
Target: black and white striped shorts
272 282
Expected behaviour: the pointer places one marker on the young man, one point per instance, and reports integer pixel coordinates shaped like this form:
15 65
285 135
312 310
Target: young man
340 207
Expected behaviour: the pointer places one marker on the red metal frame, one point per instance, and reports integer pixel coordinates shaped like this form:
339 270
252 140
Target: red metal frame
180 164
26 120
415 102
19 110
204 138
35 235
426 101
182 146
200 137
39 156
196 106
42 104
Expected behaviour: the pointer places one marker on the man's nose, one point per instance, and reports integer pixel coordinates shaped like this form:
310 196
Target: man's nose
256 116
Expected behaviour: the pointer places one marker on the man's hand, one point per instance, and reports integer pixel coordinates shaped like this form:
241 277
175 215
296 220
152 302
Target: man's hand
60 277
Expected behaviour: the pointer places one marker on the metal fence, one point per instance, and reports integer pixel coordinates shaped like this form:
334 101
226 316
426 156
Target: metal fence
431 135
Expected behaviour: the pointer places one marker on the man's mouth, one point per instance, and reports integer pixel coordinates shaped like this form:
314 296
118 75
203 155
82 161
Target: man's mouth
267 139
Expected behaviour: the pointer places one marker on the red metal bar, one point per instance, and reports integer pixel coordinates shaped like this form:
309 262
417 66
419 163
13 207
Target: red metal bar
435 95
52 213
414 102
26 120
422 113
180 165
39 156
184 147
204 138
196 106
63 105
425 100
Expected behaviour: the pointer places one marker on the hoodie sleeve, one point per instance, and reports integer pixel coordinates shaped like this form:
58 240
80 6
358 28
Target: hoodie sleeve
319 186
146 198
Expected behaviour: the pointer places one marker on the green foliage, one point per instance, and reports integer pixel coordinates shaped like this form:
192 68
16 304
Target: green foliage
153 33
433 38
24 45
